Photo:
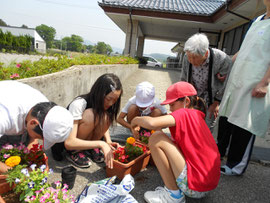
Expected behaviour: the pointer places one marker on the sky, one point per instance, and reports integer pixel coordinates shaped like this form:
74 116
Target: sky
80 17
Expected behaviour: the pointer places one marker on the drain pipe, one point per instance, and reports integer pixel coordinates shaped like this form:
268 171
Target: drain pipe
131 30
227 9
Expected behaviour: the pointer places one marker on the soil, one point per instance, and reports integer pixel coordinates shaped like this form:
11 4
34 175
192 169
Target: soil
11 197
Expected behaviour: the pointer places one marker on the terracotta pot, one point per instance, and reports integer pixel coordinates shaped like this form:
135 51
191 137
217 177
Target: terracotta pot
133 167
4 185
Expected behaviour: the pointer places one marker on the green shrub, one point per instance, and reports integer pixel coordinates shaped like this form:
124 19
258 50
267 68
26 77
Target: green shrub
44 66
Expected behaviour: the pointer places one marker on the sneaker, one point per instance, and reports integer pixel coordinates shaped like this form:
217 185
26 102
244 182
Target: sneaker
95 155
78 159
161 195
227 171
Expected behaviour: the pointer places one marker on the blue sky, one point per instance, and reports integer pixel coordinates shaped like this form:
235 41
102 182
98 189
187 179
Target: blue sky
81 17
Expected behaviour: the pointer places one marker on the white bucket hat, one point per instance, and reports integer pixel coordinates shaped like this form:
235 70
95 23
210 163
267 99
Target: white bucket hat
145 94
57 126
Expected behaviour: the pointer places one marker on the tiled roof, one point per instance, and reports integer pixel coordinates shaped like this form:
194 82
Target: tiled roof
194 7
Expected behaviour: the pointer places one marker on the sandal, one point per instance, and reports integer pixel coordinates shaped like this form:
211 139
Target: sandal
227 171
96 155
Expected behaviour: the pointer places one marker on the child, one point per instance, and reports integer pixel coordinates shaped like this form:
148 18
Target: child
189 163
26 115
143 103
93 113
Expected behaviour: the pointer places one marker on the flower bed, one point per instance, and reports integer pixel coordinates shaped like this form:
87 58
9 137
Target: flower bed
130 159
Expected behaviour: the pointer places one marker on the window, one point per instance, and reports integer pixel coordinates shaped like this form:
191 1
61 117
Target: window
36 45
233 39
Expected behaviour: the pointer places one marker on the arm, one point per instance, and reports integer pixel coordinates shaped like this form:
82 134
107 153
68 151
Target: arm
261 88
234 57
121 120
3 167
185 67
154 123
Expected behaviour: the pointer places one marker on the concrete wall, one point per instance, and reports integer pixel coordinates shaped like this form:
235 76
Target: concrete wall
62 87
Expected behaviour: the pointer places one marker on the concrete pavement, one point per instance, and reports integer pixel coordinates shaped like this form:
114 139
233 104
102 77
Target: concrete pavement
253 186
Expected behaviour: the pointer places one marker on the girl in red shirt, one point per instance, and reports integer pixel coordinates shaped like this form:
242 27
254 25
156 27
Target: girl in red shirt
189 161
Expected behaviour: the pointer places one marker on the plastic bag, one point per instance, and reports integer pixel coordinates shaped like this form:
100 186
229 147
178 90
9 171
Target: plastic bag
104 191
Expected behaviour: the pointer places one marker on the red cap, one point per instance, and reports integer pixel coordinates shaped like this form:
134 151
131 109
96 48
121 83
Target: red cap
179 90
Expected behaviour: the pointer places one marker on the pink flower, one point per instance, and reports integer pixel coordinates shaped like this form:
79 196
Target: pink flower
6 156
8 146
18 65
15 75
33 198
65 196
26 151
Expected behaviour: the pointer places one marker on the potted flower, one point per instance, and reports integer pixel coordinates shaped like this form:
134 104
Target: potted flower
129 159
28 180
58 195
145 134
13 155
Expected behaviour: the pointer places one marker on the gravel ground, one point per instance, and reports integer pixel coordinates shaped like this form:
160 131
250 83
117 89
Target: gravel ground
253 186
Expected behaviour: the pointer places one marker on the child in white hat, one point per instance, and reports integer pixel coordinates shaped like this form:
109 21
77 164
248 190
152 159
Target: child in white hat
143 103
26 115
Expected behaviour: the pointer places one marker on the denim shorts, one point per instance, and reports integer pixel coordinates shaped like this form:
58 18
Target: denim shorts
182 183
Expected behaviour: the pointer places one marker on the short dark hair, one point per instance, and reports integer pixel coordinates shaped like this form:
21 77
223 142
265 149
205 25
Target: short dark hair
39 111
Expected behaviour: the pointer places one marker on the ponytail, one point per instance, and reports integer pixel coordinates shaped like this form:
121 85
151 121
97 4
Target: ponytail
197 103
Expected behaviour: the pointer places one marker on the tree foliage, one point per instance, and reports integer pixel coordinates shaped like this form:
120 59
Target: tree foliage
47 33
102 48
3 23
10 42
73 43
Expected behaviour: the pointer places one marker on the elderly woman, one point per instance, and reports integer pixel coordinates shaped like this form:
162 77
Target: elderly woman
206 69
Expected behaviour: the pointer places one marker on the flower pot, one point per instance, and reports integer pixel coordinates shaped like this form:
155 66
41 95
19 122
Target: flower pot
133 167
4 185
68 176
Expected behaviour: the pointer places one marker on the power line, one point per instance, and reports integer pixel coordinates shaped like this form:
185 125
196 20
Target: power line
64 4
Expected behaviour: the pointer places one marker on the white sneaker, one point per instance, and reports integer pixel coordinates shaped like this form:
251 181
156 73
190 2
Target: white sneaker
161 195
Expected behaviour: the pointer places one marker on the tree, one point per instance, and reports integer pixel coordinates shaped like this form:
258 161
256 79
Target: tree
24 26
102 48
89 48
3 23
73 43
47 33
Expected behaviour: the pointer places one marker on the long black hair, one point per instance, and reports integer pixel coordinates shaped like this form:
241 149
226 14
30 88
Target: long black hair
105 84
196 103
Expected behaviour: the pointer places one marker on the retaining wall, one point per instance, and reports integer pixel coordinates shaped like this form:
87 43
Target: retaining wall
62 87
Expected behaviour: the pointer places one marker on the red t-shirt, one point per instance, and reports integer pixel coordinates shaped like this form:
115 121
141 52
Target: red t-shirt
199 148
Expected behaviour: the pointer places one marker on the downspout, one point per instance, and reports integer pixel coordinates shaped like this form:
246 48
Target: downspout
131 30
227 9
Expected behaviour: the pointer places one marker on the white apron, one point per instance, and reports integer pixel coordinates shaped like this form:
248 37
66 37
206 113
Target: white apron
251 64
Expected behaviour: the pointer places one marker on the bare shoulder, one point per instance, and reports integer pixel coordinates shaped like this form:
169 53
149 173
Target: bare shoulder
88 116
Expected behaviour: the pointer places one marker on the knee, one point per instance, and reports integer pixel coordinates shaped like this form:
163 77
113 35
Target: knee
156 112
153 140
133 111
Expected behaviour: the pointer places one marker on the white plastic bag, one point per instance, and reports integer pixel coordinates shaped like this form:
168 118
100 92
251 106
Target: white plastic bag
104 191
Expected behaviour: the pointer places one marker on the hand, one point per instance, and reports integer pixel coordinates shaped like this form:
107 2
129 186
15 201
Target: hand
213 109
108 154
221 78
135 131
260 90
114 145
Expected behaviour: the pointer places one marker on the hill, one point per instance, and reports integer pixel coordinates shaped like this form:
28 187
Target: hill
160 57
